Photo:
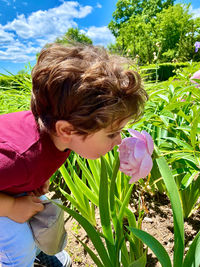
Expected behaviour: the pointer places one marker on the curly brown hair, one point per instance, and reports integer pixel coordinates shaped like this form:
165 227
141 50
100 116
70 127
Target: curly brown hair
85 86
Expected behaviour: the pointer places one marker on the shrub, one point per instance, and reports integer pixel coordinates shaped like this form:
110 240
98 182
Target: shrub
164 70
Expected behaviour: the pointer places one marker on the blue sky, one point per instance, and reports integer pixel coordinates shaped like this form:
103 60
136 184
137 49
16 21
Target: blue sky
27 25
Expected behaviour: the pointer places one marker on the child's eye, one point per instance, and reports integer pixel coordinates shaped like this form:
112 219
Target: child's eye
111 136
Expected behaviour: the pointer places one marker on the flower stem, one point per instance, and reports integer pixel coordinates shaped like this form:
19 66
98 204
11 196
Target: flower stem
125 202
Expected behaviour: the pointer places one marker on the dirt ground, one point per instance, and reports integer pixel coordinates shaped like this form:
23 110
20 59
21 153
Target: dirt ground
157 221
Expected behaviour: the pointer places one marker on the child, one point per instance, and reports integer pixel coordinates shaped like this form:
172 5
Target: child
81 100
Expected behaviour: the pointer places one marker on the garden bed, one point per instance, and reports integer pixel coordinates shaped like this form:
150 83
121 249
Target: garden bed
157 222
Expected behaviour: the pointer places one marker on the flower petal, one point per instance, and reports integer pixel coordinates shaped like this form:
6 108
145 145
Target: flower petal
149 141
146 166
134 178
139 150
196 75
136 134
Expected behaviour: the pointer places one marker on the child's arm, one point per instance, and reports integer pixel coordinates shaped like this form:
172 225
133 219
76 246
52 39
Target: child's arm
19 209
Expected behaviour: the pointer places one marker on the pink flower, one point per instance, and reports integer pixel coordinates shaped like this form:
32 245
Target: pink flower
135 155
196 75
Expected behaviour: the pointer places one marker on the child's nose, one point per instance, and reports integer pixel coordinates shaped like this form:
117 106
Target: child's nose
118 140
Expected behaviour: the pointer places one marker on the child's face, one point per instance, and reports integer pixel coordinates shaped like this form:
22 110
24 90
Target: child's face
97 144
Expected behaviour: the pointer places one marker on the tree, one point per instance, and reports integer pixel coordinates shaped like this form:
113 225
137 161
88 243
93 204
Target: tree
170 35
125 9
177 31
74 35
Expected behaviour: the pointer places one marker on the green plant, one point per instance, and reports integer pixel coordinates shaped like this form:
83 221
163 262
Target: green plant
172 119
192 257
112 198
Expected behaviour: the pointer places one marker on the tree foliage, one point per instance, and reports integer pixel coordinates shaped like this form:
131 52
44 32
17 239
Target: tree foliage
161 32
125 9
74 35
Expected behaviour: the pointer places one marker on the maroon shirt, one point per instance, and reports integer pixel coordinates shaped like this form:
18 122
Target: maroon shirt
27 158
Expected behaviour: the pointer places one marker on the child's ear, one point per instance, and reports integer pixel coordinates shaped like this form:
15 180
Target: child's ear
63 130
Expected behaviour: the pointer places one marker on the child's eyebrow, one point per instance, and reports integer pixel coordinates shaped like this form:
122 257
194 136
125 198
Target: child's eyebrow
115 131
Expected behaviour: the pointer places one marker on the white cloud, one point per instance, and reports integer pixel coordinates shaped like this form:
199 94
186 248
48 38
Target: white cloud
194 11
99 5
40 27
54 21
24 36
5 37
18 52
100 35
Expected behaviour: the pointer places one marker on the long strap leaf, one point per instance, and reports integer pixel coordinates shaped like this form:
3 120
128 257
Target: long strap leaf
88 175
154 245
192 258
104 211
91 253
71 185
93 235
177 210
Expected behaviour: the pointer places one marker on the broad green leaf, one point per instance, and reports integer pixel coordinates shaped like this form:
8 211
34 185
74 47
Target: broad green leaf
177 105
177 210
164 97
192 258
182 114
176 155
154 245
180 142
187 129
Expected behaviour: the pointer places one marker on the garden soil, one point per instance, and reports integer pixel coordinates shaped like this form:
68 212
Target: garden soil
157 221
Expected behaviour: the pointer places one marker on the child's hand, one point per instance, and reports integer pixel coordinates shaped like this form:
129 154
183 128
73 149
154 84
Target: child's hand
42 190
24 208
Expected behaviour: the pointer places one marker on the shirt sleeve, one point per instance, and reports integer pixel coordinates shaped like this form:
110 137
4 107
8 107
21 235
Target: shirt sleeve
12 168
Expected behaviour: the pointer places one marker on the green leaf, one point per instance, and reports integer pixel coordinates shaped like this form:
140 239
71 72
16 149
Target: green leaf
141 262
93 235
91 253
177 210
179 142
193 132
95 169
71 185
192 258
125 203
112 192
104 211
154 245
86 190
164 97
187 180
88 175
83 211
